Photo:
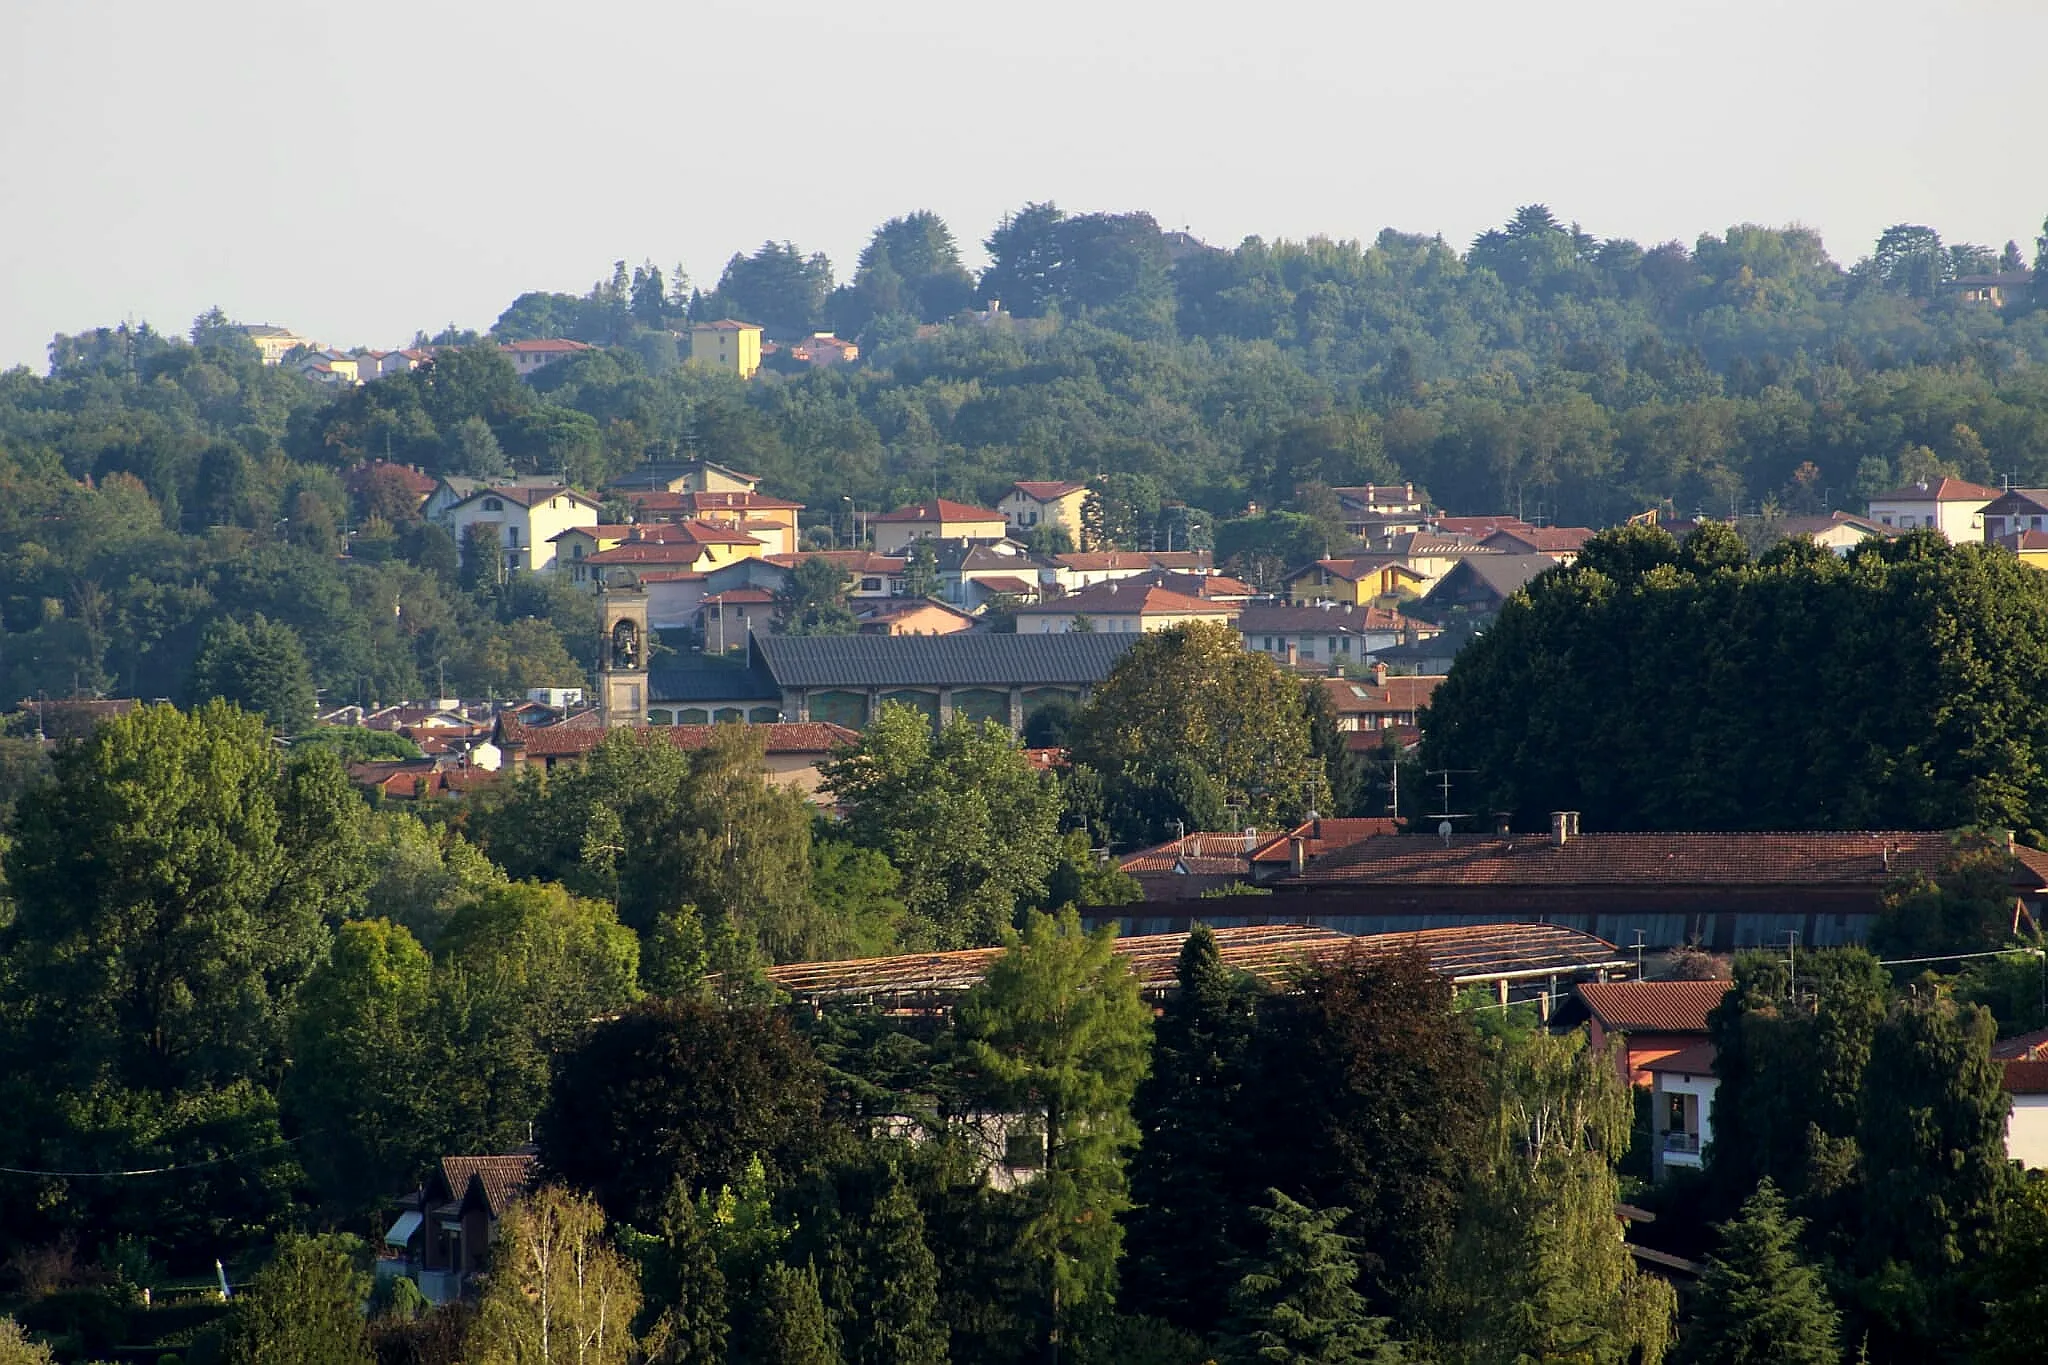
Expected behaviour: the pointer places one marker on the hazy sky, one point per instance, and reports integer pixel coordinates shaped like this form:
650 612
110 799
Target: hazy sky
359 171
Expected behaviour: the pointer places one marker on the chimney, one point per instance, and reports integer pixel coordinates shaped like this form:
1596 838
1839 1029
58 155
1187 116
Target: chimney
1293 654
1501 824
1297 855
1379 675
1560 828
515 755
1571 820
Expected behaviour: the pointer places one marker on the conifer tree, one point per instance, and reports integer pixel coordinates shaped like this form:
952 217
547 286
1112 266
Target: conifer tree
1759 1302
1297 1300
1189 1224
684 1317
791 1328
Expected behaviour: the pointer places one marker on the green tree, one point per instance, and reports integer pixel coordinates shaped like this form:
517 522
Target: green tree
1187 1228
792 1326
684 1312
689 1092
1967 908
1059 1029
860 1226
304 1308
778 287
259 667
17 1349
812 601
1297 1300
558 1290
1187 720
1759 1300
921 570
970 825
2016 1326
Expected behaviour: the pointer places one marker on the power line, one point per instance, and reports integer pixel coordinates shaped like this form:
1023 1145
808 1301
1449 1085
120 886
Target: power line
148 1170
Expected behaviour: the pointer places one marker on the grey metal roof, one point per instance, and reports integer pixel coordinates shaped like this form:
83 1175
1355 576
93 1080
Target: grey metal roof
703 679
958 660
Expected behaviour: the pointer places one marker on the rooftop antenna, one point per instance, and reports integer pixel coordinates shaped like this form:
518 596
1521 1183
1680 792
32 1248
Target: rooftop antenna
1446 774
1639 954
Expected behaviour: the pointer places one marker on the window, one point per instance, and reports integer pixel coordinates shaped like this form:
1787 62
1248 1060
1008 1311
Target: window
576 552
512 536
581 573
1333 644
871 585
494 505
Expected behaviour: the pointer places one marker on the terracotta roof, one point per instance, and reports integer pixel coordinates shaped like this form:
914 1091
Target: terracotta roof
1481 526
1211 853
2026 1078
716 501
1338 618
1866 858
739 597
1354 567
528 495
1363 697
1372 741
1694 1059
1123 598
1045 760
2026 1047
502 1177
1653 1006
1016 587
1549 540
2025 542
1087 561
678 551
886 608
1940 490
937 510
545 346
1047 490
1322 836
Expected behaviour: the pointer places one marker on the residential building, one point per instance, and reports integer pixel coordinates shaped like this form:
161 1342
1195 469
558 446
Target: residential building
935 517
1478 528
727 620
1954 507
971 572
868 575
525 520
1376 512
1477 588
728 345
1184 868
2025 1063
793 755
1296 849
444 1231
1357 580
531 357
1324 635
1682 1086
1433 555
912 616
1837 531
336 369
2016 510
822 350
1086 568
1993 290
273 343
587 553
1561 543
1646 1021
1380 702
2030 546
1113 608
451 489
771 521
845 679
372 366
1723 890
685 476
1031 504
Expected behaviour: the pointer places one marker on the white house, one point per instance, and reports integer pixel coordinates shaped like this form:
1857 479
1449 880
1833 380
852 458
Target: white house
1120 607
1682 1089
1954 507
530 356
2026 1127
527 519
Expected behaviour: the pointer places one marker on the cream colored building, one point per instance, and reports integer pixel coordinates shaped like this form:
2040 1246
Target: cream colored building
530 357
1954 507
527 520
274 343
936 517
1120 608
1030 504
727 345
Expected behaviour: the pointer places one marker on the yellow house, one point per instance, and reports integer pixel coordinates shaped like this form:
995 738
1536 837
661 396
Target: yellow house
1029 505
1358 582
2030 546
586 554
894 531
1118 607
727 345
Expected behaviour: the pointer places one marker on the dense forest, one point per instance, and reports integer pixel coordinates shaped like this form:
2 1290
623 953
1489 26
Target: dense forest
155 484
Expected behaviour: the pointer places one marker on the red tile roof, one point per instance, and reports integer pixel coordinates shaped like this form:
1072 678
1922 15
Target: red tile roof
1481 526
1048 490
1653 1006
1355 567
1124 598
1364 697
1322 836
1212 853
2025 542
1009 583
737 597
502 1177
1940 490
545 346
938 510
1364 741
1694 1059
1091 561
2027 1047
678 551
2026 1078
1865 858
1548 540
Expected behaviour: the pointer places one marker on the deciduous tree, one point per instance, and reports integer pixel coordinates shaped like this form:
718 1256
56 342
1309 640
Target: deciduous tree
558 1290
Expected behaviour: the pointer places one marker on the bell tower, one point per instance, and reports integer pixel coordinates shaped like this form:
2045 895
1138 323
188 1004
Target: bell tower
622 656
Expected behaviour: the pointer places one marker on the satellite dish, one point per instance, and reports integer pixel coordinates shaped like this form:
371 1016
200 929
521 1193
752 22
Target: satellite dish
1445 830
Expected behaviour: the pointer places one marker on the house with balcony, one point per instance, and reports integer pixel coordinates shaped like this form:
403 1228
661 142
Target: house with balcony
1031 504
1682 1086
1954 507
443 1235
524 520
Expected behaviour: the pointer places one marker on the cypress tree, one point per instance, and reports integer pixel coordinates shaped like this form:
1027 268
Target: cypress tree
1298 1300
684 1316
865 1236
1759 1301
791 1329
1191 1220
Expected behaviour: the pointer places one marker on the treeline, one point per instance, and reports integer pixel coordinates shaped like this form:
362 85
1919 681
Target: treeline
1659 685
1541 371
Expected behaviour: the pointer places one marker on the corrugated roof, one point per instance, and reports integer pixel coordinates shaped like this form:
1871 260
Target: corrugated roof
709 680
958 660
1813 858
1653 1006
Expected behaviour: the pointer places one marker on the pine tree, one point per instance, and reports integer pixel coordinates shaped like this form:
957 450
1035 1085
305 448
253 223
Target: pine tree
791 1329
1759 1303
1298 1301
684 1318
1190 1224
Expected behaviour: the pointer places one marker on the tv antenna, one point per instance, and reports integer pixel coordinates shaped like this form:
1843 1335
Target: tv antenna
1447 814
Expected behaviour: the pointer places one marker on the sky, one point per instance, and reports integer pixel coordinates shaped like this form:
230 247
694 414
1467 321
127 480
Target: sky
359 172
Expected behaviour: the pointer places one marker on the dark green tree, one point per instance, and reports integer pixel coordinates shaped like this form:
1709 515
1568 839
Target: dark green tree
860 1226
1297 1299
259 667
304 1308
1760 1300
791 1327
813 601
683 1311
1189 1191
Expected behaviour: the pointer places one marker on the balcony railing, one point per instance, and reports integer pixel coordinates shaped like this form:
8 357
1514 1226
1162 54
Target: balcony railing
1677 1141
